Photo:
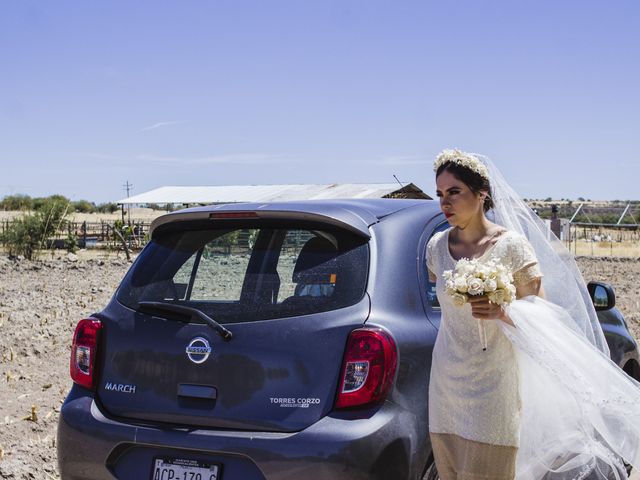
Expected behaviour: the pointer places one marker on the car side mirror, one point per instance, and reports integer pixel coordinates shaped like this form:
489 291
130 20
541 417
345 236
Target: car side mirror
602 295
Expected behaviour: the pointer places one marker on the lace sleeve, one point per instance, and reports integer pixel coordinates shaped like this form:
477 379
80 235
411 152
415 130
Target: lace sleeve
431 253
524 262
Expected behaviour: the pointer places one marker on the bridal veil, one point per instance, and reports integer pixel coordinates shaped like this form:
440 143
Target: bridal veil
580 411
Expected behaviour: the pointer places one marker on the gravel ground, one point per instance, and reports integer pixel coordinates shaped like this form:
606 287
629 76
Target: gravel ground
40 304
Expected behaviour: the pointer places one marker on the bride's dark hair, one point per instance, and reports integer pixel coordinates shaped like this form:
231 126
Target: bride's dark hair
476 182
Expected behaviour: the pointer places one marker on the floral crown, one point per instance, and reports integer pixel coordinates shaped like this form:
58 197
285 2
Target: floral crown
464 159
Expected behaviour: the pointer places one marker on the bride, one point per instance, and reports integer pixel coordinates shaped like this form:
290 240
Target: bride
534 395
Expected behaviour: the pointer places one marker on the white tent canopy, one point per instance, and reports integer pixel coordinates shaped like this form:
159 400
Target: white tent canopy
271 193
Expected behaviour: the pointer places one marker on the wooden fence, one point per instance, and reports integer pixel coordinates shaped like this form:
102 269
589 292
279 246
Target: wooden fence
95 234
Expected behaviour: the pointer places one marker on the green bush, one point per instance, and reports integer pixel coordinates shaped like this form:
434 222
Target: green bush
43 203
84 206
32 232
107 208
71 242
16 202
125 230
23 236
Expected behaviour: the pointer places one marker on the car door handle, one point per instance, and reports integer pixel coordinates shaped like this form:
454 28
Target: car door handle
207 392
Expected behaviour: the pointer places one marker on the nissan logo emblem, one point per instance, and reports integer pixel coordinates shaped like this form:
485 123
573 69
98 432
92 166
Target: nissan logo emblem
198 350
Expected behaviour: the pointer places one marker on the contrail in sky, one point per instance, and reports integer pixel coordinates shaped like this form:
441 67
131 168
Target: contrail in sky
158 125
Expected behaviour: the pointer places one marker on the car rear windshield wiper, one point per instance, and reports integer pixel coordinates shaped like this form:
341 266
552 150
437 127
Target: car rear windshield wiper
191 312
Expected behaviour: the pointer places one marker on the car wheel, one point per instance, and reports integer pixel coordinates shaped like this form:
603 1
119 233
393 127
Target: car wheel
431 473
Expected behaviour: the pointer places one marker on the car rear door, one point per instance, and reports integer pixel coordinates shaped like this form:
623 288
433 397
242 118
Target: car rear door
290 294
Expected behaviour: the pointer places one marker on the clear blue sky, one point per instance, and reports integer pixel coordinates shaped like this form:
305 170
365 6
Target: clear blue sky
317 91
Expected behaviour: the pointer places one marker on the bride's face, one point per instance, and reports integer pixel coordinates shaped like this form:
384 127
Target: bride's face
457 201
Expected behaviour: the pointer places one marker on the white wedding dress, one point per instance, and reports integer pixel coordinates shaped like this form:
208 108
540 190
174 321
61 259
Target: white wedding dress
474 393
540 386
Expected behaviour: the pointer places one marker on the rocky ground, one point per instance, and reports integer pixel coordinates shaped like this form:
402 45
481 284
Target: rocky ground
40 304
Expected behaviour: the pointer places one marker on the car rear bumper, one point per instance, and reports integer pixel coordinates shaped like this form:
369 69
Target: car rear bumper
381 444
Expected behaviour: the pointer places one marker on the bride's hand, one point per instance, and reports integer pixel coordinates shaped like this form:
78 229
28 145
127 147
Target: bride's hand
483 309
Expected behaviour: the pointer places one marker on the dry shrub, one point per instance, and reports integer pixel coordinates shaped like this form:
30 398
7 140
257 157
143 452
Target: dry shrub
32 232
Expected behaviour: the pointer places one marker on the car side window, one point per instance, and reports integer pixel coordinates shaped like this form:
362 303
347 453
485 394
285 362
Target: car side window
291 247
431 284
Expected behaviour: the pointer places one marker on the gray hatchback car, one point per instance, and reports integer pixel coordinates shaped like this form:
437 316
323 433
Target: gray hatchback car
269 342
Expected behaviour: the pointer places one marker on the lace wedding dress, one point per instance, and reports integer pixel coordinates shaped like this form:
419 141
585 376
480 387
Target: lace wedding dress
474 393
540 386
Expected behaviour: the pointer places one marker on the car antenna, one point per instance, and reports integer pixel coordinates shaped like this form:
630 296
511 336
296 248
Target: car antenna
394 176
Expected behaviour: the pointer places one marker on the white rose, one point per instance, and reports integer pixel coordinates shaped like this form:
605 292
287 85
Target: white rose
484 272
461 284
459 299
465 267
490 285
497 296
475 286
502 280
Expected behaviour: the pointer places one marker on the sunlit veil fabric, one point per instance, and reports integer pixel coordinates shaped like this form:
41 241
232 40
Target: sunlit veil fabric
580 411
563 282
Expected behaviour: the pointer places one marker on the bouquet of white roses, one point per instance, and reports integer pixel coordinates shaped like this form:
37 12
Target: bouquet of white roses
472 277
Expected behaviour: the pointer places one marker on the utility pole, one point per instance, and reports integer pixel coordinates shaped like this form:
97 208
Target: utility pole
127 186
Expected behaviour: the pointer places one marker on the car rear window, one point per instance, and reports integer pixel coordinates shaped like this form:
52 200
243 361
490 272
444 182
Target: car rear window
250 272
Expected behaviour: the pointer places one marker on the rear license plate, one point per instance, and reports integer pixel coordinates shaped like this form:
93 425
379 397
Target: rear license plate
183 469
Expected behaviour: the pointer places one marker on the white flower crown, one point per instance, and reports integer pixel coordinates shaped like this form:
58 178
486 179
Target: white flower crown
465 159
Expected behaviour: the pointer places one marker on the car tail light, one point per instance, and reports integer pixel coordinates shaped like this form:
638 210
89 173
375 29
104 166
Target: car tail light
368 368
84 352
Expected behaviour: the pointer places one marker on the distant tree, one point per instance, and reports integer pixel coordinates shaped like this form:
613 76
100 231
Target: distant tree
16 202
46 202
581 199
84 206
107 208
548 199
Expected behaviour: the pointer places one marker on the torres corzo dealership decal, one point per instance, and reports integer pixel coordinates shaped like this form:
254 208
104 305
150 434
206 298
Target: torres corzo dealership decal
290 402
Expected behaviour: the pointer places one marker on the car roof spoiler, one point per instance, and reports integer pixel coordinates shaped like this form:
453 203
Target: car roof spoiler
356 221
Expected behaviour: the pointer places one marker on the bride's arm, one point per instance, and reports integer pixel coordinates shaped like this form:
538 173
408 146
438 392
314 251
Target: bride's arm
527 282
532 287
527 278
432 276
